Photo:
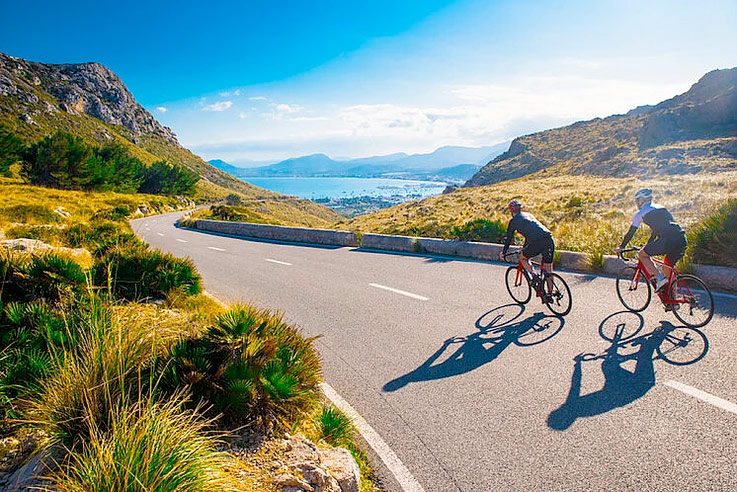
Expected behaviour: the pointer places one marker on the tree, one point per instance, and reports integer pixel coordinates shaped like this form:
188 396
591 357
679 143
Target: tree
11 149
162 178
57 161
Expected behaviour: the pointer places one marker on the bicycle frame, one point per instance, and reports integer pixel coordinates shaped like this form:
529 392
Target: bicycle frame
664 294
521 274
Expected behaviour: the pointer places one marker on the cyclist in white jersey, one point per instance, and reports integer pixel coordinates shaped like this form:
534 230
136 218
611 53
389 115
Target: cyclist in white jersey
667 237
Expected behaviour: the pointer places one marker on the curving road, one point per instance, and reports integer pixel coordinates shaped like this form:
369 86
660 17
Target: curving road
475 393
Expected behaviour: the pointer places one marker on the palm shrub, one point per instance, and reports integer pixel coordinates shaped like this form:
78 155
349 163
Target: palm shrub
135 272
335 427
250 365
713 241
148 446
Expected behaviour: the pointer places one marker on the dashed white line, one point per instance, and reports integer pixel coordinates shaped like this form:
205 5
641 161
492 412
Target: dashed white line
216 249
278 262
182 240
703 395
402 292
390 459
160 234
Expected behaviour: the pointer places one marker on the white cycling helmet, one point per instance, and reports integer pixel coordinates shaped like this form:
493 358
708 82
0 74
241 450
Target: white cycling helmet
644 195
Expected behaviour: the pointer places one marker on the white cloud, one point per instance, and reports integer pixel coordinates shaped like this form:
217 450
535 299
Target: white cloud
242 115
281 110
161 109
236 93
258 98
218 106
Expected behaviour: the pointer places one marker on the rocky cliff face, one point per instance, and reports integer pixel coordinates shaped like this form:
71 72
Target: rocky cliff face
88 88
690 133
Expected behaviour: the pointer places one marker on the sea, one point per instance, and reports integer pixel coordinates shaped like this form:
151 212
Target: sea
336 188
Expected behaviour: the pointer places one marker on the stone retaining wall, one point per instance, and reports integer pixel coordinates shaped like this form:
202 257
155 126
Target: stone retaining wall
722 278
280 233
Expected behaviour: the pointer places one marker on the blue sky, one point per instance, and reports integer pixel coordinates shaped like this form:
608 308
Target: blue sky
268 80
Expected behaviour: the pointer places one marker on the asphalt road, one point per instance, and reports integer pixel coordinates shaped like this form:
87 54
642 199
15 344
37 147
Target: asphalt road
473 392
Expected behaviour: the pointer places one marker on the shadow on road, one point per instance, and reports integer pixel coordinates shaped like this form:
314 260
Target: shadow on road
498 329
675 345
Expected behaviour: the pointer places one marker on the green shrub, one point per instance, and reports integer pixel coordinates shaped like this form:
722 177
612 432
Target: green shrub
11 149
250 365
135 272
335 427
490 231
148 447
99 236
713 241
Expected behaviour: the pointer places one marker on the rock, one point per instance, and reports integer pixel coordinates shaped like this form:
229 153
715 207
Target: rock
30 476
25 117
450 189
143 208
300 452
61 211
23 244
289 482
342 467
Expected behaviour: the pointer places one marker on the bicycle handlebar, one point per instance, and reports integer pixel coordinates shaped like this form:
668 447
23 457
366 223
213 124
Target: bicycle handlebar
628 250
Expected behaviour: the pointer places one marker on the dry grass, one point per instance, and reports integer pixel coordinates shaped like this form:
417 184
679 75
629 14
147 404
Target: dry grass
585 213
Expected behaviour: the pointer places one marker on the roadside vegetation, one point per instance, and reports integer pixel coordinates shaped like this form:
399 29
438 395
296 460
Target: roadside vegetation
122 374
585 213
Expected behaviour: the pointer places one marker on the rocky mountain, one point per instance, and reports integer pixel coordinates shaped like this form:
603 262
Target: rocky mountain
690 133
90 101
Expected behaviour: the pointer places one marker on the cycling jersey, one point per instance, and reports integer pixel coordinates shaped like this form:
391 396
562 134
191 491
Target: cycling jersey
659 220
667 237
527 225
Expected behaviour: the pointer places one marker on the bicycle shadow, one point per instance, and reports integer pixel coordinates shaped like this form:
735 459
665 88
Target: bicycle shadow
498 329
622 386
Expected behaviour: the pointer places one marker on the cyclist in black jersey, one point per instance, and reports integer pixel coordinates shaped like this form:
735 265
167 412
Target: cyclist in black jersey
667 236
538 241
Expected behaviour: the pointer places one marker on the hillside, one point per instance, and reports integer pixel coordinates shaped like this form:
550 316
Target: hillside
90 101
579 179
688 134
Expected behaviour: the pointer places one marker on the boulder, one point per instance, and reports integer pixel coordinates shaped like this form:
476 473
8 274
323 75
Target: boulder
342 467
320 469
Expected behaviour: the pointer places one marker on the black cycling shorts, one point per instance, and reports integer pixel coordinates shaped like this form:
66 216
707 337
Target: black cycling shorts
543 246
673 247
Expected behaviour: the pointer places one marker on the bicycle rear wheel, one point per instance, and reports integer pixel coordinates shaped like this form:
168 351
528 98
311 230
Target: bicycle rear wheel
520 290
696 306
634 293
560 302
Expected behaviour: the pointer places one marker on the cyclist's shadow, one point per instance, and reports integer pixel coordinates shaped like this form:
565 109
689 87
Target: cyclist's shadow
498 329
621 386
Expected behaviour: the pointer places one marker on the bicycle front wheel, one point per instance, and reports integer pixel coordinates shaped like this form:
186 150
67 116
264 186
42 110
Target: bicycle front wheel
560 301
518 286
694 304
633 292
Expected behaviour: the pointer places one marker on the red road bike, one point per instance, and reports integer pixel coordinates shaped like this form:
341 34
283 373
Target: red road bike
687 296
557 298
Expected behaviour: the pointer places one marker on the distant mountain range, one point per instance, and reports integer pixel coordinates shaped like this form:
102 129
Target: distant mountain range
690 133
452 164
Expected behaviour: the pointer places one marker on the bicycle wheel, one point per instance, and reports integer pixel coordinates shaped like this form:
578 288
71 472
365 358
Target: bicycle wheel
561 301
521 291
696 305
634 294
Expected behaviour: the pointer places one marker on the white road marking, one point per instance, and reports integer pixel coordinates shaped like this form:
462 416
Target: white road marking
216 249
160 234
703 395
402 292
182 240
279 262
380 447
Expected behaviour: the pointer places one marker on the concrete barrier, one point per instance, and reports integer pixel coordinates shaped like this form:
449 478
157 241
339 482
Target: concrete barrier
280 233
466 249
722 278
575 261
718 277
390 243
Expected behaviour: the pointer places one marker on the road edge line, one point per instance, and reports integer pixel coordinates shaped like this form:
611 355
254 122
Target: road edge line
725 405
402 475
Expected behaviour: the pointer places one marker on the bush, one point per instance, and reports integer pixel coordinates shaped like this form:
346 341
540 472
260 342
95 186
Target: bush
148 447
713 241
134 272
250 365
162 178
489 231
335 427
11 149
